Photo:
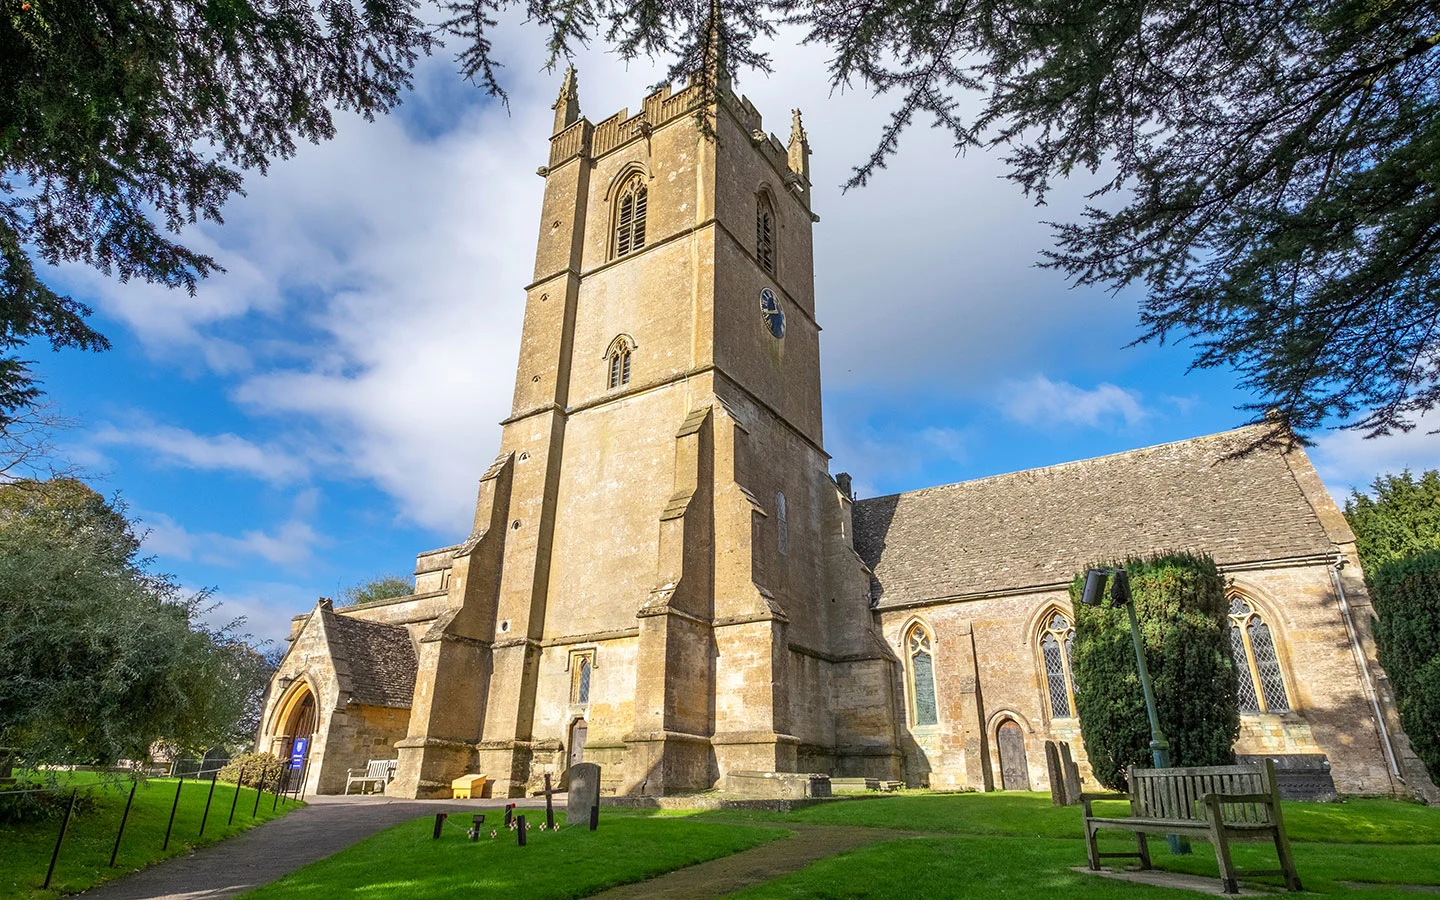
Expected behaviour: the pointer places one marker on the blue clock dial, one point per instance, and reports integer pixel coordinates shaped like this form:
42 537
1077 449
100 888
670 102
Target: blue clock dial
771 313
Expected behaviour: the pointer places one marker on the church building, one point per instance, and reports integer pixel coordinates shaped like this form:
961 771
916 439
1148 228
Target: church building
664 578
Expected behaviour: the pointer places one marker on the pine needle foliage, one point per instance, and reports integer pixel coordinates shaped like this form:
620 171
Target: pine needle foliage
1399 518
1406 594
1180 603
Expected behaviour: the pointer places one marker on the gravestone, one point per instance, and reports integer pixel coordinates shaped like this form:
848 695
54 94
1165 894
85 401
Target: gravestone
1058 794
1072 775
584 792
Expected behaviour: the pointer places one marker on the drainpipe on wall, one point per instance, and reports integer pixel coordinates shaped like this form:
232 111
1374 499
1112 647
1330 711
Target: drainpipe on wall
1370 691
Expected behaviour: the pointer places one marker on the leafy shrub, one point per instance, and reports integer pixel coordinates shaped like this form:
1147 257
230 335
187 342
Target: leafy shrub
1406 594
30 802
1181 606
255 768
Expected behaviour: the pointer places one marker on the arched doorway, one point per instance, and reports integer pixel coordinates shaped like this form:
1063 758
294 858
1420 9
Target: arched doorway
296 722
577 742
1014 768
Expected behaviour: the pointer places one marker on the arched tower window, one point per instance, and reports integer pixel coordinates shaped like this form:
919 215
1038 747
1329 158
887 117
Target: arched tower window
617 362
630 216
1055 643
581 666
920 661
1261 686
765 232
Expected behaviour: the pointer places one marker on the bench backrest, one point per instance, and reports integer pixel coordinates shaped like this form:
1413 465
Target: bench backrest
381 768
1177 793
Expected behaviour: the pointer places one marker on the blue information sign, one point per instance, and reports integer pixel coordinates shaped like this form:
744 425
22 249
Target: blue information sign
297 752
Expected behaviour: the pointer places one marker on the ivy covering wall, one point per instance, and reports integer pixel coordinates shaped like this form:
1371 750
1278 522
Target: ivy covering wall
1180 602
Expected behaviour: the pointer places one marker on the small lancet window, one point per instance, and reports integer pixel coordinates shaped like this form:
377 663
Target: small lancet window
1055 644
782 525
630 216
581 666
922 676
1260 685
765 232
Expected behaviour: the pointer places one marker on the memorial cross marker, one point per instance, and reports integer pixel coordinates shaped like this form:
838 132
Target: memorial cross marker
549 793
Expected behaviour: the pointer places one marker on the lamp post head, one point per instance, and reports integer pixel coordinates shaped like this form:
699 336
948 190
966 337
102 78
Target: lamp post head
1094 591
1120 589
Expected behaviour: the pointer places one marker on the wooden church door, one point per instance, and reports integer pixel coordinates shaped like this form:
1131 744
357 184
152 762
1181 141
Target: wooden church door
577 742
1014 768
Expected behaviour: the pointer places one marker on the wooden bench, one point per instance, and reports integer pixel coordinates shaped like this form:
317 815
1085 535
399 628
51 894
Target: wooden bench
378 772
1219 804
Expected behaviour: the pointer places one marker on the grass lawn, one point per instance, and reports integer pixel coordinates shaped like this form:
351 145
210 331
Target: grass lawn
1014 845
405 862
85 855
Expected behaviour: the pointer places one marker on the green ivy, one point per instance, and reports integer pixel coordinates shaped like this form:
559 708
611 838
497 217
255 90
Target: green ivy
1181 606
1406 594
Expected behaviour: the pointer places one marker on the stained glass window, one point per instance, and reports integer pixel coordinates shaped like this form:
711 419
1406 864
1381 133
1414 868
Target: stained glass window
1055 644
1261 686
922 676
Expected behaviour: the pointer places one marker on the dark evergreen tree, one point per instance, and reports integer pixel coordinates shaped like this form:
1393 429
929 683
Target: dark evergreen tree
1181 606
1406 594
1402 518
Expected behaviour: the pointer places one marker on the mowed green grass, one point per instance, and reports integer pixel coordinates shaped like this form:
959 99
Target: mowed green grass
406 862
1019 845
25 849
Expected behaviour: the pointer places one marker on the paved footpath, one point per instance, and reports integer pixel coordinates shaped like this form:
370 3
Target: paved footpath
266 852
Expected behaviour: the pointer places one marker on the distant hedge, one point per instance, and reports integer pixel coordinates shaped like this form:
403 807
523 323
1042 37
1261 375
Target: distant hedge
253 766
1180 602
1406 595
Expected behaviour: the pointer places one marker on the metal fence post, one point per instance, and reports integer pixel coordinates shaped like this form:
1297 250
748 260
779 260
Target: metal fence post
64 826
236 799
173 808
208 797
124 817
259 789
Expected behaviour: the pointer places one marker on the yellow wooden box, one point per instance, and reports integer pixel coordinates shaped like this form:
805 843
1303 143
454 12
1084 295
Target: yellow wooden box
468 786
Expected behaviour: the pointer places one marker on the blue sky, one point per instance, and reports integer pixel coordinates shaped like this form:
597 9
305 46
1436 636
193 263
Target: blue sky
320 413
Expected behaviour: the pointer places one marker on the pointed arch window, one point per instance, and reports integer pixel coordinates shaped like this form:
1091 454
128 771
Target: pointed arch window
617 362
1055 645
765 232
1260 684
581 667
920 660
630 216
782 525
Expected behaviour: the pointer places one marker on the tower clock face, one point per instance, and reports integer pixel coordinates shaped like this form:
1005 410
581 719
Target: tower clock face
771 314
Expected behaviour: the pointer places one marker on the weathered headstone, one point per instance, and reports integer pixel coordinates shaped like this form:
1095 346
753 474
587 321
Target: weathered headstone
584 792
1072 775
1058 794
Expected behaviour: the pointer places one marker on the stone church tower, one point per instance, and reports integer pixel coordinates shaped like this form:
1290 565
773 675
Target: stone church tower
658 578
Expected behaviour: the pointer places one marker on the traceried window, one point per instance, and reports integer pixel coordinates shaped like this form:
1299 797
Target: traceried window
582 666
1261 686
630 216
921 663
765 232
617 362
1055 644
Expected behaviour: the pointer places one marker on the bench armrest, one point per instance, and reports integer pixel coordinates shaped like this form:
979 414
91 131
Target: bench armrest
1087 799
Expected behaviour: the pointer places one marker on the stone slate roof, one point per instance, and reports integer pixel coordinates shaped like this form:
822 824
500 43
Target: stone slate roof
1042 525
381 657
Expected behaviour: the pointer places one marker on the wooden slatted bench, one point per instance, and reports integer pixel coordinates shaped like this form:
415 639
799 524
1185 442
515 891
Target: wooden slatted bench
378 772
1219 804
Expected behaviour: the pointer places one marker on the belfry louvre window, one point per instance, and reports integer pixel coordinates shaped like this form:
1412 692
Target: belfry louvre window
1260 685
922 676
630 218
1055 644
765 233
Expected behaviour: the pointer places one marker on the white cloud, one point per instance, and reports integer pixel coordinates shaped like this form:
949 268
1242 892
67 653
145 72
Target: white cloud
1348 460
1040 401
289 545
222 452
